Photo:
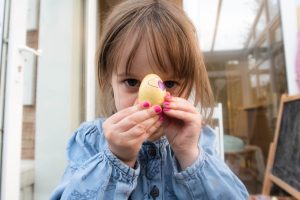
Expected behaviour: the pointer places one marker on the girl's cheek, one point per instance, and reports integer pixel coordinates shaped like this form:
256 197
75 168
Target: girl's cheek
123 99
128 100
133 100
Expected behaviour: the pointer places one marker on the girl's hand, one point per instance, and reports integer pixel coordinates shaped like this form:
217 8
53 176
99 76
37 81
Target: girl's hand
183 126
127 129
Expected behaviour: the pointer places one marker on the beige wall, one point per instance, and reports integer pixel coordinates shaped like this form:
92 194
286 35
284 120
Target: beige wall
28 130
28 134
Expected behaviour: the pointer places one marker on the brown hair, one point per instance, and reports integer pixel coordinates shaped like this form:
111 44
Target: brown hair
168 32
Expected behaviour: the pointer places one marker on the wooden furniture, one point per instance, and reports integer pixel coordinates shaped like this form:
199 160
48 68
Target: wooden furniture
283 167
249 165
257 128
219 129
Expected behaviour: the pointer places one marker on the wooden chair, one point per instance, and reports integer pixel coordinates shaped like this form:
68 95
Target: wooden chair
219 129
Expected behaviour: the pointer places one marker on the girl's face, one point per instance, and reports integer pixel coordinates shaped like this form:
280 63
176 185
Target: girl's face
126 86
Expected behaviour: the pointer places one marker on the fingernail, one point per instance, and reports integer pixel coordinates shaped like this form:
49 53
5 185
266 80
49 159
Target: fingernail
146 104
166 109
166 104
157 109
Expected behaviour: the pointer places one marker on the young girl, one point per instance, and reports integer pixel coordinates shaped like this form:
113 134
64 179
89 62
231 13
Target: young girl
143 151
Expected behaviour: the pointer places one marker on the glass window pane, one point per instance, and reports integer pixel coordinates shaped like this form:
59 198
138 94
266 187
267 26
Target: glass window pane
261 24
273 8
248 79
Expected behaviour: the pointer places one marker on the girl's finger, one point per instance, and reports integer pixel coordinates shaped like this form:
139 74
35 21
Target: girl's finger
179 104
155 132
138 117
155 127
128 111
170 98
183 115
143 128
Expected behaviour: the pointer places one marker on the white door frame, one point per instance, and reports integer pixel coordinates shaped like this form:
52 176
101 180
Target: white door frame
3 54
11 154
90 50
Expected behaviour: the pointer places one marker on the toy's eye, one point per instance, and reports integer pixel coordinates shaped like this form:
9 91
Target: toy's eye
132 82
170 84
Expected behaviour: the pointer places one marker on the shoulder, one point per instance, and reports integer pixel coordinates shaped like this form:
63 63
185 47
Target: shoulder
88 137
88 131
208 139
208 134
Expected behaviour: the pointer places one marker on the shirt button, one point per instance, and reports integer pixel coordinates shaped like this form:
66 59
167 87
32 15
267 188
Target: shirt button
154 192
152 151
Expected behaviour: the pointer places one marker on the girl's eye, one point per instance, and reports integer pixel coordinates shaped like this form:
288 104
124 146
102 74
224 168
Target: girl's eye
170 84
132 82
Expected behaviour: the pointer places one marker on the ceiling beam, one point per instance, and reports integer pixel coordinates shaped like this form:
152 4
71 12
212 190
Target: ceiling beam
223 73
216 25
224 56
252 30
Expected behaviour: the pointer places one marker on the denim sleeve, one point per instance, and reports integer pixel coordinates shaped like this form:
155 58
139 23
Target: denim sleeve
209 177
93 171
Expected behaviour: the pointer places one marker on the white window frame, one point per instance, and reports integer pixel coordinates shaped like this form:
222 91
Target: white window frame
288 10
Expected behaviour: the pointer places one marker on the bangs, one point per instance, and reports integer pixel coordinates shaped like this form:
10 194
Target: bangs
167 40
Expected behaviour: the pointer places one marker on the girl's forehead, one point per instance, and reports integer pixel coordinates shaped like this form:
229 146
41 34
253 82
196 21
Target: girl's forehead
141 60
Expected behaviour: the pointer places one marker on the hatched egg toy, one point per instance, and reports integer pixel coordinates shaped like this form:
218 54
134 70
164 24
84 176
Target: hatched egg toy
152 89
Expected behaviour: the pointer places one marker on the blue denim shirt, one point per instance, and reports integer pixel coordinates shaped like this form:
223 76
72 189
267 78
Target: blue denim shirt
94 172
